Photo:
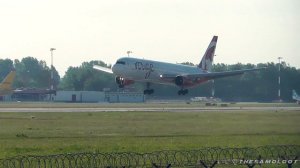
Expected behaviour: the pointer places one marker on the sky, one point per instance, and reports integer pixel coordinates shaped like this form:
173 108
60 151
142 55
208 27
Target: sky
250 31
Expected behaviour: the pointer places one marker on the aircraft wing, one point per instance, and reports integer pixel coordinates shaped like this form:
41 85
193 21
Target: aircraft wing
211 75
103 69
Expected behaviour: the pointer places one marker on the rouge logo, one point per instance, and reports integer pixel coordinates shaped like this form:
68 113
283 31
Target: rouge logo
144 67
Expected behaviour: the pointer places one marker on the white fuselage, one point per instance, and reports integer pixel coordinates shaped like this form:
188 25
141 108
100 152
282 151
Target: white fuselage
128 70
150 71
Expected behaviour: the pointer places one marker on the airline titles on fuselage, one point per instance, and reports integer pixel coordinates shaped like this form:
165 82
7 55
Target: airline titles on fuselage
148 67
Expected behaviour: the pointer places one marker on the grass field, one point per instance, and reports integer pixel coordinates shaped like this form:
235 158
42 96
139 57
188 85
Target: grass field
52 133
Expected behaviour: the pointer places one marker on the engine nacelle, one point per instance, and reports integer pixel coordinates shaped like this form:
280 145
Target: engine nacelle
179 80
122 81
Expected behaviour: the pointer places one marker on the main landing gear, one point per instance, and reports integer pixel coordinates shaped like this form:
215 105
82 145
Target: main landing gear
183 92
148 90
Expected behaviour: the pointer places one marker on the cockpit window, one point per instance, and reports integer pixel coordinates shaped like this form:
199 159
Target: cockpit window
120 62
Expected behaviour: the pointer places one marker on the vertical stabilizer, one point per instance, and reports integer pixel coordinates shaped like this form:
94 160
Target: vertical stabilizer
207 59
8 81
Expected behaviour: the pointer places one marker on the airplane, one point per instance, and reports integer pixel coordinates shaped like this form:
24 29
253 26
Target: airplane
5 85
128 70
296 97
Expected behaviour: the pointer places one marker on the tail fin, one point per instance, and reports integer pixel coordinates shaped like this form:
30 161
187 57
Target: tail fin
207 59
8 80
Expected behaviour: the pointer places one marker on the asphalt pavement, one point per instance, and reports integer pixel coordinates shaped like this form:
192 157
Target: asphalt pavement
150 109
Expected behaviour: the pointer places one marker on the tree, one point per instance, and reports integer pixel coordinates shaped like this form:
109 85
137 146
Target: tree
30 73
33 73
254 86
85 77
188 63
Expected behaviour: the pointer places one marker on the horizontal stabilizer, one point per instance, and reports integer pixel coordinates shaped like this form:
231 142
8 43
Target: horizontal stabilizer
103 69
295 96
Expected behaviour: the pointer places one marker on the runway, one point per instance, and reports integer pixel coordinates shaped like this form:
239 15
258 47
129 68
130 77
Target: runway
150 109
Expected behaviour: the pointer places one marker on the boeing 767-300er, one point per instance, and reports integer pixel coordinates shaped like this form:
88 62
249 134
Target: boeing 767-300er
128 70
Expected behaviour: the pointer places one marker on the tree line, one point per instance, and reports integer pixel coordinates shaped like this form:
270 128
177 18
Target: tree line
30 73
253 86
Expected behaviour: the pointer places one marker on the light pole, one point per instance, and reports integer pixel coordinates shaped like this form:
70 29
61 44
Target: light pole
213 88
52 75
279 98
128 52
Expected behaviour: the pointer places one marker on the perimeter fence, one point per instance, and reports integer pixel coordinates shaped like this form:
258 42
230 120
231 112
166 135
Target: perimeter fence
265 156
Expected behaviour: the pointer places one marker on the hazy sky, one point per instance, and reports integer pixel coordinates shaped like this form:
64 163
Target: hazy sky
250 31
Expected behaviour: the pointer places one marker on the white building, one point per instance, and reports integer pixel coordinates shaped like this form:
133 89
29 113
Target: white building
96 96
125 97
79 96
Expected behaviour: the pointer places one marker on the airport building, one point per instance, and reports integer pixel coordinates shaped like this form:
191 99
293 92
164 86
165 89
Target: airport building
29 94
79 96
74 96
125 97
97 96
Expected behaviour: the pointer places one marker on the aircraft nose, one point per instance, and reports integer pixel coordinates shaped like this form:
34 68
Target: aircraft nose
116 69
113 68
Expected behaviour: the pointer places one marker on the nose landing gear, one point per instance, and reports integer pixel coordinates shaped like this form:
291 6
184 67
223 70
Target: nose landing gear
148 90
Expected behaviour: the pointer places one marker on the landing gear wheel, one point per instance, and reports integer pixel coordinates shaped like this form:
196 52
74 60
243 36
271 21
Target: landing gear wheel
145 92
151 91
186 91
183 92
148 91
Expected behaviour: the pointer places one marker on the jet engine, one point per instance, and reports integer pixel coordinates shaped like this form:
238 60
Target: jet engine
179 81
119 80
122 81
